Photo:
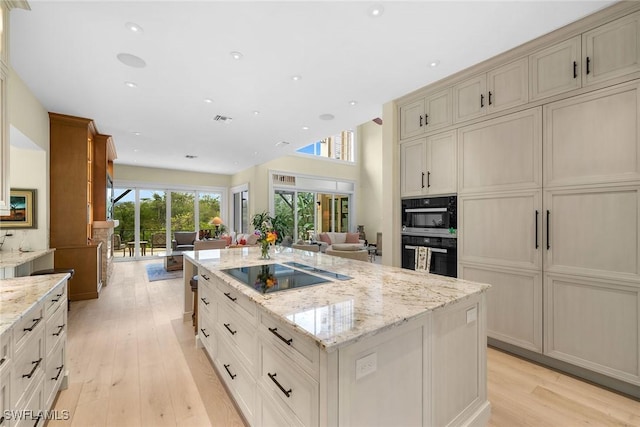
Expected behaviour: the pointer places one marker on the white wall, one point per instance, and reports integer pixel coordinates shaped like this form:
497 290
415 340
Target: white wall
370 198
168 177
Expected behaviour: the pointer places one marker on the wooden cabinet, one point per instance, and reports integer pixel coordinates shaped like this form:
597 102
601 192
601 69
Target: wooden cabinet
429 165
79 158
427 114
609 51
501 88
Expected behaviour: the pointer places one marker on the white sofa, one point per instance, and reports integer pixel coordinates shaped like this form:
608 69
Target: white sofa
339 242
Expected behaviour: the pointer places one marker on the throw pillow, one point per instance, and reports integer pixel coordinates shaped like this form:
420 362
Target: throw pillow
324 237
346 247
252 239
353 238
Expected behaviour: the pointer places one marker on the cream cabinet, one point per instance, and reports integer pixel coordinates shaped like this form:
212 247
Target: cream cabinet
593 138
501 88
609 51
426 114
429 165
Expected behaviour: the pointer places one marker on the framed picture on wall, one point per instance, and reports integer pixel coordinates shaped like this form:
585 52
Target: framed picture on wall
23 210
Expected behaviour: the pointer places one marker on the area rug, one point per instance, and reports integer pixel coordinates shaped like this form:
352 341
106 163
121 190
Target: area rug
157 272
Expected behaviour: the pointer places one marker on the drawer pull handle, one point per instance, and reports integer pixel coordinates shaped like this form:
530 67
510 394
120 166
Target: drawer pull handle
228 295
204 333
273 378
226 325
226 367
205 277
35 366
274 331
60 328
1 420
57 298
204 301
4 359
59 368
38 418
35 322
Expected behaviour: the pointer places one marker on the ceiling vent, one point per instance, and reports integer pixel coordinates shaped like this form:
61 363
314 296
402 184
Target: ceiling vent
284 179
223 119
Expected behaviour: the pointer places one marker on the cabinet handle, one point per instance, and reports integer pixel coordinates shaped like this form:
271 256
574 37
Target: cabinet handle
273 378
426 119
38 418
575 70
548 244
205 277
422 180
428 179
35 366
537 214
274 331
228 295
420 120
204 333
1 420
588 64
226 367
482 101
226 325
59 368
60 328
35 322
204 301
4 359
489 97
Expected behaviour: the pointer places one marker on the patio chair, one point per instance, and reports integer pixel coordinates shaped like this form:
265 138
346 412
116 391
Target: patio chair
117 244
183 240
158 240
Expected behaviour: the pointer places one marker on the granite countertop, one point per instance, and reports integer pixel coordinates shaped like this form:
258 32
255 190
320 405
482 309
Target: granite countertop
14 259
336 313
18 295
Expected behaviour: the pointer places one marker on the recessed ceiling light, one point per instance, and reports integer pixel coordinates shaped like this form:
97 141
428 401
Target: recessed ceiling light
327 116
236 55
352 103
305 127
131 60
135 150
255 153
130 84
296 78
208 101
133 27
434 64
256 112
376 10
136 133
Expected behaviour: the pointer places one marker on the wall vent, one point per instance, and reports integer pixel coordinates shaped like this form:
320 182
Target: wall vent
284 179
223 119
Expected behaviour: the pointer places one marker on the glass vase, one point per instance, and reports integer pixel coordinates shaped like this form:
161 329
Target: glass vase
264 250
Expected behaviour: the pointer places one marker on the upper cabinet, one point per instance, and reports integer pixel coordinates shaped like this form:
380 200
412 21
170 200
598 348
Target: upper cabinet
427 114
609 51
499 89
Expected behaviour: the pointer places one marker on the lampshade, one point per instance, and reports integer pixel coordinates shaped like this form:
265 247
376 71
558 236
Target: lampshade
215 221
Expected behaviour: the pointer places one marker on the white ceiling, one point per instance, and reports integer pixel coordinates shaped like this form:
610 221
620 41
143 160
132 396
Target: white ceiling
66 54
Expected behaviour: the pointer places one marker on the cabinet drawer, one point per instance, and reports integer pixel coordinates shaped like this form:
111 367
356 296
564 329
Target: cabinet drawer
56 299
289 385
6 353
28 366
302 350
5 396
27 326
54 374
241 334
269 413
55 329
239 381
205 332
31 411
238 302
206 303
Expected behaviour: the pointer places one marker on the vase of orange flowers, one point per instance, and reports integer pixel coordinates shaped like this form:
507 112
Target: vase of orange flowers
263 225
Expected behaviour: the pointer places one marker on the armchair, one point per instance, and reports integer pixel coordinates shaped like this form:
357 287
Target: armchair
117 244
158 240
183 240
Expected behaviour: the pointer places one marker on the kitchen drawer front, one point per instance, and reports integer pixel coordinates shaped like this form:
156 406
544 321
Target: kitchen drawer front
56 299
55 329
301 349
55 372
289 385
30 324
206 302
237 301
206 326
5 397
240 333
269 413
28 364
31 412
6 352
239 381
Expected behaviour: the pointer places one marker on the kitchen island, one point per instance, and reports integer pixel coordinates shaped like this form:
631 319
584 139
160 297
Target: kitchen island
370 345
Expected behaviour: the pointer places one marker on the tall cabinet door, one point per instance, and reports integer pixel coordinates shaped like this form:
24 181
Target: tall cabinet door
613 49
412 167
555 69
593 138
441 163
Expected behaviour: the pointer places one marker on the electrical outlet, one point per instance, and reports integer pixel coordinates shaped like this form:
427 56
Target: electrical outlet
472 315
366 365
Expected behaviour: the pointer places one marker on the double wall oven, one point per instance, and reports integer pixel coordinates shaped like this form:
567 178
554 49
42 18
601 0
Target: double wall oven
431 222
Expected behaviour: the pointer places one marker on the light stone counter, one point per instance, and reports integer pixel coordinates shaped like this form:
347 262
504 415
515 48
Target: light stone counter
15 264
338 313
19 294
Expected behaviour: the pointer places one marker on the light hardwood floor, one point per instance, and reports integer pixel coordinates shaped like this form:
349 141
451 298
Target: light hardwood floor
133 362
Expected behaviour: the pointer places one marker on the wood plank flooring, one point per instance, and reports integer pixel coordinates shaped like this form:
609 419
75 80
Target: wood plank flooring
133 362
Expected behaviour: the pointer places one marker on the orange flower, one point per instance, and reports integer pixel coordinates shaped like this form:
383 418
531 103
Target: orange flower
271 236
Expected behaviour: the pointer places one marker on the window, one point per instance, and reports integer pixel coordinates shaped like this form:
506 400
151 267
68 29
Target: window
240 210
339 147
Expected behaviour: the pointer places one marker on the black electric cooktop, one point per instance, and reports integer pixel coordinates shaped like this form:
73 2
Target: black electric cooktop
268 278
